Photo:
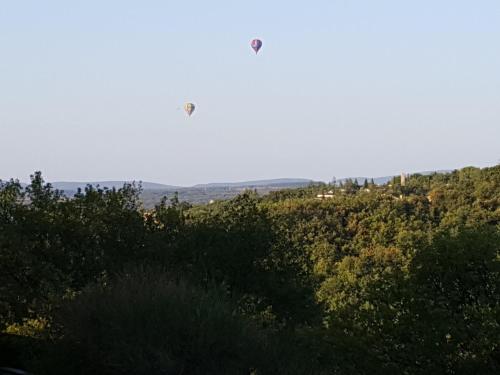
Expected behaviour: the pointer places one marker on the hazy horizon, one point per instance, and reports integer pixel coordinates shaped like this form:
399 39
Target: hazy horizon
76 181
93 91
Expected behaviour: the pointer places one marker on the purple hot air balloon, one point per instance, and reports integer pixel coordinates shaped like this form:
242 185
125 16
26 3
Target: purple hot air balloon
256 45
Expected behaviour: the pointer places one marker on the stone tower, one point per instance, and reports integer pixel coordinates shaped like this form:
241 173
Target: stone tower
403 179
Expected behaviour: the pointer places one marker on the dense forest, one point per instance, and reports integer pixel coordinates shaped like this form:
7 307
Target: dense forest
364 279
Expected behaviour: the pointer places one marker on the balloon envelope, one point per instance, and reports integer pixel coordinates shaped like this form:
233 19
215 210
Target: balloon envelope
256 45
189 108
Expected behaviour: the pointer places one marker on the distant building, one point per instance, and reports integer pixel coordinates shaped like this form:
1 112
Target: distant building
325 195
403 179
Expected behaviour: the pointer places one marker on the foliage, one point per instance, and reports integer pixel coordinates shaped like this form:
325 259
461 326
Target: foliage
146 323
364 279
50 245
437 312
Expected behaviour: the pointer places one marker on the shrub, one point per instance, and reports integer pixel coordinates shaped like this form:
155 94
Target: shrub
145 323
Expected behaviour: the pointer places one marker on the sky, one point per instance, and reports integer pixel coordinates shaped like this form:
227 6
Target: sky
93 90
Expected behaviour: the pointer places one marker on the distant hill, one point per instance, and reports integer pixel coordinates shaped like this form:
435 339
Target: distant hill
152 192
273 182
204 193
73 186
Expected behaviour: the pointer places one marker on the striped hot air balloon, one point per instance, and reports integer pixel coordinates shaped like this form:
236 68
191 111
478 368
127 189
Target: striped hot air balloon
189 108
256 45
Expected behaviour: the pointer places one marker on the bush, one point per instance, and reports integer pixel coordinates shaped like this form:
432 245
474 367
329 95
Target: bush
16 351
145 323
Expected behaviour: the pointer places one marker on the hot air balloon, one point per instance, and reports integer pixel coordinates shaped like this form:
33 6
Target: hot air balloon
189 108
256 45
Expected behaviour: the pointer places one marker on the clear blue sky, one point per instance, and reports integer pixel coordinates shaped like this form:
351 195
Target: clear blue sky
93 90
